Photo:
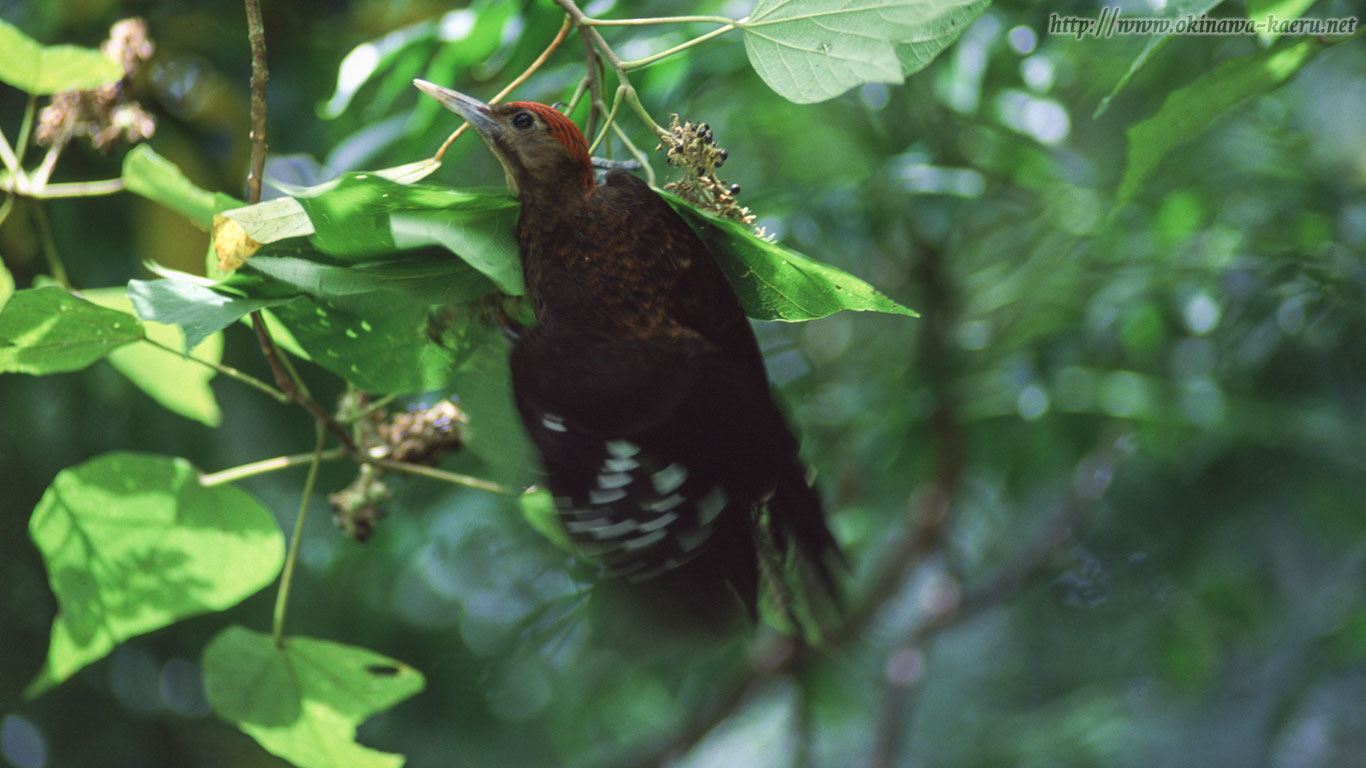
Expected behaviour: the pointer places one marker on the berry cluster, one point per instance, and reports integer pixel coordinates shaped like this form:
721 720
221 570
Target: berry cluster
416 436
693 148
104 115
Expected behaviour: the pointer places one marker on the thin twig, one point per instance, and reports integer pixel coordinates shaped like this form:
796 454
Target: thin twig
290 385
611 117
9 159
528 72
292 557
78 189
25 128
683 46
256 34
593 67
590 22
454 478
226 370
266 466
54 259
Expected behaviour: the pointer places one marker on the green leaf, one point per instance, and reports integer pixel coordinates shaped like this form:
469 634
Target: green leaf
940 34
47 330
152 176
303 700
538 508
1177 9
6 285
133 543
1188 111
41 69
174 380
495 433
360 216
381 344
193 305
813 50
776 283
429 279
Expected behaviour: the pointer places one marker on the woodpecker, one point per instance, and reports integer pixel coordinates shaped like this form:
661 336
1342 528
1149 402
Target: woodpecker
641 382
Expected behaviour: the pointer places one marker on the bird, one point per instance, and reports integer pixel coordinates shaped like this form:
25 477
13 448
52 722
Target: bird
642 386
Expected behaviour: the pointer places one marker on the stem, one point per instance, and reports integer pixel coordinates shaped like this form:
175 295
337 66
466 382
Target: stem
256 34
638 63
54 259
78 189
24 128
636 153
592 64
266 466
291 386
44 172
226 370
589 22
441 474
611 116
292 557
579 91
11 161
530 70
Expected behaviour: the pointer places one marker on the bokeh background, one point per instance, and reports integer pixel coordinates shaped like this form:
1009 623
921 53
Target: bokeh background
1176 383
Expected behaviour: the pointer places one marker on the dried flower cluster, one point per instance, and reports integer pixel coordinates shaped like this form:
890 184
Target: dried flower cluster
417 436
692 148
103 115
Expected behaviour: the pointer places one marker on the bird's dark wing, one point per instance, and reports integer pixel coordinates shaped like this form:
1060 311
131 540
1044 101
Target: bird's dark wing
701 298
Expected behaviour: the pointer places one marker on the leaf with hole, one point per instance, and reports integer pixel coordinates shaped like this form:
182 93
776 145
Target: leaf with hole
303 699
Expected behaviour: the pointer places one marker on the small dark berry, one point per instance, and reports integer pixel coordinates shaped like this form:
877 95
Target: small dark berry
734 189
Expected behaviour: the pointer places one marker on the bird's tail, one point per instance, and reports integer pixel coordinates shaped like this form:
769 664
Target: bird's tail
798 559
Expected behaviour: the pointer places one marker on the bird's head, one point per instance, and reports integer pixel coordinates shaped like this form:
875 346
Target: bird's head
540 149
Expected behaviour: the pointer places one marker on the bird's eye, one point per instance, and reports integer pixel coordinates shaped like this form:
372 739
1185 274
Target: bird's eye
523 121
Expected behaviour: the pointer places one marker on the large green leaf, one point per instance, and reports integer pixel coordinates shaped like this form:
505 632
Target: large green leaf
152 176
1188 111
41 69
362 216
382 343
776 283
133 543
303 699
174 380
431 278
813 50
47 330
384 234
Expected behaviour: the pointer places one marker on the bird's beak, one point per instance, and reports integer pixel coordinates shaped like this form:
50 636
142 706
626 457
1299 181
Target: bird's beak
475 112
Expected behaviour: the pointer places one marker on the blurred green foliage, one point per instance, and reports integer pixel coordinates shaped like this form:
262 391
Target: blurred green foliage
1169 368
